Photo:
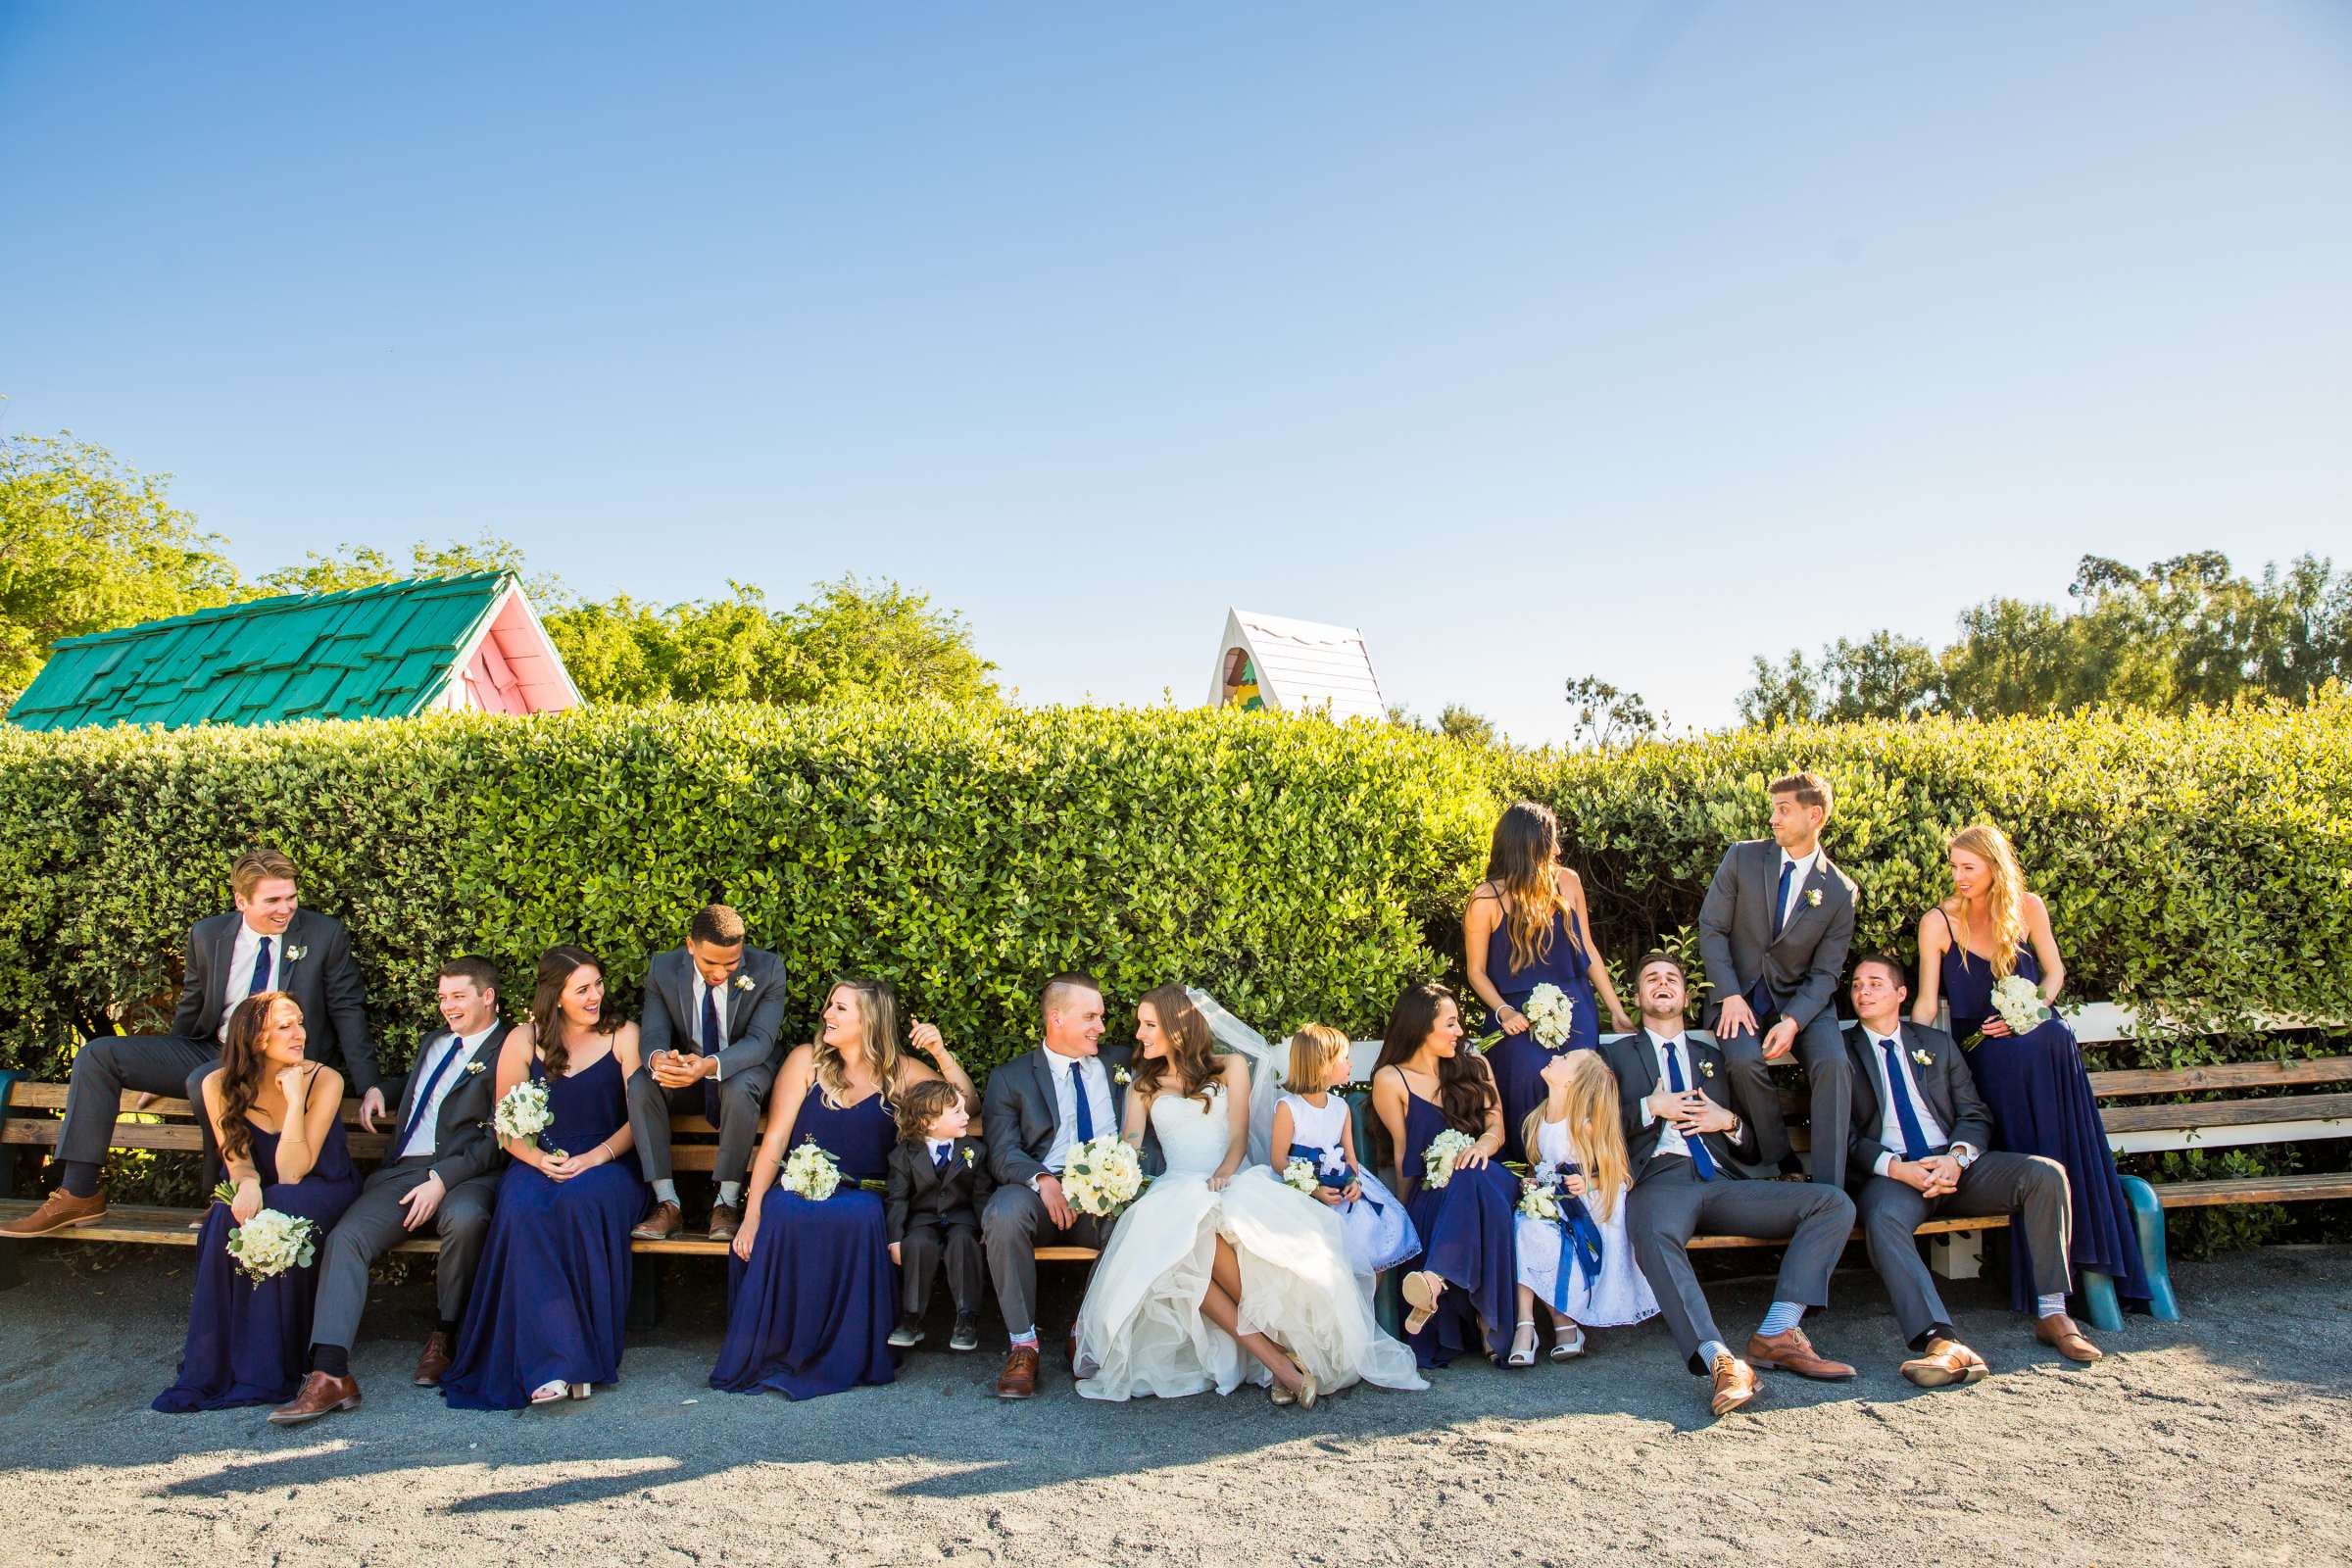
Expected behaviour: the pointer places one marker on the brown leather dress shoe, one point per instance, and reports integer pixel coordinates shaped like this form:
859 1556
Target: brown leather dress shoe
2058 1332
432 1361
1018 1380
318 1395
1791 1351
1736 1383
725 1220
662 1224
1945 1363
60 1211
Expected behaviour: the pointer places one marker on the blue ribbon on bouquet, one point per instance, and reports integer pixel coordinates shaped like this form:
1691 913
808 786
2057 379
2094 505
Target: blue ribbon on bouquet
1580 1237
1324 1164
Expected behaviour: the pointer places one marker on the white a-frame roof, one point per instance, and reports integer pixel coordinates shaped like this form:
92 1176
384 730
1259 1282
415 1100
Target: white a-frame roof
1303 666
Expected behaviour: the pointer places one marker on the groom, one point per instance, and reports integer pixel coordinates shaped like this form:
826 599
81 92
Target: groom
1773 932
1037 1107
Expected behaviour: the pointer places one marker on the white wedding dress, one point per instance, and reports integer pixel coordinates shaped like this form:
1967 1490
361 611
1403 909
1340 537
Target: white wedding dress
1141 1330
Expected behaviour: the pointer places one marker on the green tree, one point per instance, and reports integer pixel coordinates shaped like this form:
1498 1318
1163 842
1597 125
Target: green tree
1458 723
355 565
89 543
1609 715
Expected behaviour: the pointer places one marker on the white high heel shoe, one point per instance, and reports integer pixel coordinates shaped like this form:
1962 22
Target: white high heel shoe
1526 1357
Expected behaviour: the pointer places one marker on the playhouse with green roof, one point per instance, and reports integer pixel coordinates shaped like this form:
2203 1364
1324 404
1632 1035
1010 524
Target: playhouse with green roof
470 643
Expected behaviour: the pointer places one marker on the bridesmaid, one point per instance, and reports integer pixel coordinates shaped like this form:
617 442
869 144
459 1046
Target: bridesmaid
2034 1084
1460 1287
812 1293
551 1294
277 1121
1527 927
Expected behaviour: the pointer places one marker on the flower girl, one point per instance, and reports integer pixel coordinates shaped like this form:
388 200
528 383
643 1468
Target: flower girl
1311 1124
1573 1252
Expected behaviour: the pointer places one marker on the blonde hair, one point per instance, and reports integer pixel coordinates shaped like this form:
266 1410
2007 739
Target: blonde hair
1593 1127
257 866
878 1014
2004 899
1313 1048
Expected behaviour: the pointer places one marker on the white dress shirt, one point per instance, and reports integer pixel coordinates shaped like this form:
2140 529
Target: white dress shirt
936 1147
1098 1103
421 1141
694 1015
241 954
1670 1137
1891 1125
1803 874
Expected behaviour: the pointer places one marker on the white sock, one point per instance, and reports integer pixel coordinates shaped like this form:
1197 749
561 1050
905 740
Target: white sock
665 1192
1783 1317
731 1195
2049 1305
1027 1336
1708 1351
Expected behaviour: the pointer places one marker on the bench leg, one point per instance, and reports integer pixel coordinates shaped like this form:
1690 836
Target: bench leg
645 1293
1956 1254
2148 1219
2099 1305
1388 1304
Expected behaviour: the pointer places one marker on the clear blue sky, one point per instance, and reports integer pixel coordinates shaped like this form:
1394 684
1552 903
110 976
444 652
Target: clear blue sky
1535 340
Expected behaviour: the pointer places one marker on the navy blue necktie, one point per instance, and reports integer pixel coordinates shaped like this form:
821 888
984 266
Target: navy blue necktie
261 970
425 1096
945 1150
1086 1112
710 1039
1779 898
1915 1136
1700 1160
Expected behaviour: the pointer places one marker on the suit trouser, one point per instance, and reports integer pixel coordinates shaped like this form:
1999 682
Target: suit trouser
734 1102
1821 1047
1996 1183
148 1065
1010 1228
371 1227
1669 1204
931 1238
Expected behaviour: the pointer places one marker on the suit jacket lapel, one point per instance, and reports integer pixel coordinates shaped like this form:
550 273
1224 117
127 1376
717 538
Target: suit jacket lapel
1867 1110
1767 882
1935 1087
1041 1062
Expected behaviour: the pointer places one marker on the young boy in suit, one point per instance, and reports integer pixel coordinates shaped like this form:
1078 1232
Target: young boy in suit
939 1181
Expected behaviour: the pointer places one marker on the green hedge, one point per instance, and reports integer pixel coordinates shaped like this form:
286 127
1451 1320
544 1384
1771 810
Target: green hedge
2200 867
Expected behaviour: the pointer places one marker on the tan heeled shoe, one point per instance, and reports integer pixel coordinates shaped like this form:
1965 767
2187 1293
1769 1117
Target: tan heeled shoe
1420 1289
1309 1391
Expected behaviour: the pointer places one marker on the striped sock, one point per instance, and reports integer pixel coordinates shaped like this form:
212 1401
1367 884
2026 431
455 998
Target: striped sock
1783 1317
1708 1351
2049 1305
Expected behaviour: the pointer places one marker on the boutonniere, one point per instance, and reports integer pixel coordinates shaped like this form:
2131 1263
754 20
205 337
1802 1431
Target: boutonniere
1813 898
1706 1066
296 955
968 1159
1924 1059
743 982
1121 1076
474 1067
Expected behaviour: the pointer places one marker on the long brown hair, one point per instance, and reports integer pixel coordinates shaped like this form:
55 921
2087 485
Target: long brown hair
1465 1087
1521 863
243 1064
556 966
2004 898
1593 1128
1192 1052
878 1012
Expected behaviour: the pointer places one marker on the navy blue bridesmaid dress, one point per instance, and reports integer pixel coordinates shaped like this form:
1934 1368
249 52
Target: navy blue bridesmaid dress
1469 1239
551 1294
811 1313
1516 1059
250 1343
2040 1096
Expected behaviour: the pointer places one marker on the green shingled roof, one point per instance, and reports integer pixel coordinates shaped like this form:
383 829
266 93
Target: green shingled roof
365 653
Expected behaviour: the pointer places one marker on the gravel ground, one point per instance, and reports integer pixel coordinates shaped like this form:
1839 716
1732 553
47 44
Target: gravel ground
2227 1438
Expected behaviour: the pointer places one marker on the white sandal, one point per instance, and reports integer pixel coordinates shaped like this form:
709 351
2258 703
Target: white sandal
551 1393
1519 1357
1564 1348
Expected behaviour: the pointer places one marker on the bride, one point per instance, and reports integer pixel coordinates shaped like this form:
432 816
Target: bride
1209 1263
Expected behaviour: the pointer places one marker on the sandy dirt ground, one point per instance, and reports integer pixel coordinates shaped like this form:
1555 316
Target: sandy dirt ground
2223 1439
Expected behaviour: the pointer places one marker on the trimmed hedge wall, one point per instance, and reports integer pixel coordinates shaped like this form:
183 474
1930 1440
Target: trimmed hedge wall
2200 866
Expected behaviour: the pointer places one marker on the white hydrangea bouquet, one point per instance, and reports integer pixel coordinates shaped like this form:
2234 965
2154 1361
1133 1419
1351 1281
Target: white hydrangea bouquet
1550 1016
1302 1176
522 1113
811 1172
1437 1161
2018 1000
1102 1175
1540 1193
270 1243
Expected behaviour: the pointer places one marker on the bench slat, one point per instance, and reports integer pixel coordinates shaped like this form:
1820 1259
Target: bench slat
2255 1190
2219 1075
2226 1113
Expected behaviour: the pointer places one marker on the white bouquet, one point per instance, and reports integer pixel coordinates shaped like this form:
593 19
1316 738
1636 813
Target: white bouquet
1302 1175
1550 1016
811 1172
1102 1175
1437 1161
1540 1193
522 1113
270 1243
2018 1000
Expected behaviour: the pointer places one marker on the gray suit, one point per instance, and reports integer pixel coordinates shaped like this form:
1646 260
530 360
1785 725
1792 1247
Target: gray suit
1997 1181
1020 1114
313 966
1669 1203
466 1156
747 1061
1793 975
